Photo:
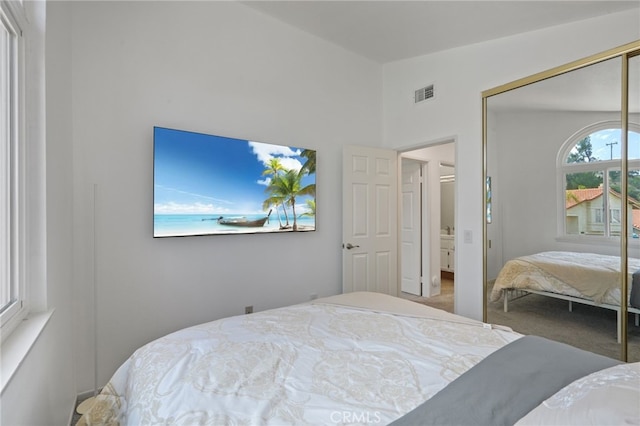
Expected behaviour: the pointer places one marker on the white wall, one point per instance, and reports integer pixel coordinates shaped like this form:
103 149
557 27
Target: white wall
460 75
211 67
43 390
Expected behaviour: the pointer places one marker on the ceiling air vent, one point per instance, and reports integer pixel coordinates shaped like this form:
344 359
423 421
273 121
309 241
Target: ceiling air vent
424 93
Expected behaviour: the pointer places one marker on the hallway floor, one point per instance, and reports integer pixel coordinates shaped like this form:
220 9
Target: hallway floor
443 301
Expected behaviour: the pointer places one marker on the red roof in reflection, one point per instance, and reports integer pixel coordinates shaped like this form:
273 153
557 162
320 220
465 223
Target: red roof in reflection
577 196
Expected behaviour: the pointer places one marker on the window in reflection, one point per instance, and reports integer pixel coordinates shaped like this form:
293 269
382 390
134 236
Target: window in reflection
590 164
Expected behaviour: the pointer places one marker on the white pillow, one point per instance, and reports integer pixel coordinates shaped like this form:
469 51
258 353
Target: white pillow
607 397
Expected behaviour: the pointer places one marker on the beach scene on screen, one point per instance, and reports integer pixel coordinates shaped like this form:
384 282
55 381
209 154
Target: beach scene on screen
207 184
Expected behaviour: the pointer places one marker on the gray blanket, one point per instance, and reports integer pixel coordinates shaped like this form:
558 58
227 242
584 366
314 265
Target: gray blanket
507 384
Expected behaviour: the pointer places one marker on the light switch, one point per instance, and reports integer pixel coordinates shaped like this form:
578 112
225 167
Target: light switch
468 236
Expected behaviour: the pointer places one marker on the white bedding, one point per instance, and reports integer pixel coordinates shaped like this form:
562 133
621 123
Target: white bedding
586 275
606 397
350 359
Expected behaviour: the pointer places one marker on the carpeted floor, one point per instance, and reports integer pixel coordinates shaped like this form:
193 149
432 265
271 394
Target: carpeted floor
586 327
443 301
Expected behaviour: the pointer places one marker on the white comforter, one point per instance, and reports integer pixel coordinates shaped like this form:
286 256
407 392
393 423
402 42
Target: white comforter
351 359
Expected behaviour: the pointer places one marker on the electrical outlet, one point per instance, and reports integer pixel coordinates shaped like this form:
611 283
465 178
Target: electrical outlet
248 309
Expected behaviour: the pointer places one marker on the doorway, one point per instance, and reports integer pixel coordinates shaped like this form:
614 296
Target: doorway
423 256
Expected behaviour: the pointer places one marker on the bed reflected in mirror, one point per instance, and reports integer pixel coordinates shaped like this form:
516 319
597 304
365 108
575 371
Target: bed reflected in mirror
554 151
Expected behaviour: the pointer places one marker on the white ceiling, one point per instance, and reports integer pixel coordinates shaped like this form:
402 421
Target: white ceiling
386 31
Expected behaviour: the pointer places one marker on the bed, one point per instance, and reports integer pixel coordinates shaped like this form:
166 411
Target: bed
356 358
587 278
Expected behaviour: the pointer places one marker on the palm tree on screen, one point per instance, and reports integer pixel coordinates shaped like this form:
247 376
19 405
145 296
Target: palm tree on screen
275 168
289 186
311 205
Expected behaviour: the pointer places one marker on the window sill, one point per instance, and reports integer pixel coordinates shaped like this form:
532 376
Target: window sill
16 347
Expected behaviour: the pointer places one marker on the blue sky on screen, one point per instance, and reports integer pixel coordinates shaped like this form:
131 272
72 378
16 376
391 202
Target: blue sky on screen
205 174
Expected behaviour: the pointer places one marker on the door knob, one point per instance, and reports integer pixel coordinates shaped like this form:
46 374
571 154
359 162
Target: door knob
350 246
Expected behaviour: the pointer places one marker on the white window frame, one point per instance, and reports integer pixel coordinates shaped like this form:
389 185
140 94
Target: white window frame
615 216
598 216
605 166
14 248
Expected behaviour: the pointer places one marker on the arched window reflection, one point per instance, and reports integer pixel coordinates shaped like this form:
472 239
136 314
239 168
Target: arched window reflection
589 165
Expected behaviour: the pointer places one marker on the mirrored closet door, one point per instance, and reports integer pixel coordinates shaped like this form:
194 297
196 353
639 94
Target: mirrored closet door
633 192
562 173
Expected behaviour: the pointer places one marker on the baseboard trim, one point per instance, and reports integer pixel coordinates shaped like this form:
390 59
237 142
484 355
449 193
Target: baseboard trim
87 394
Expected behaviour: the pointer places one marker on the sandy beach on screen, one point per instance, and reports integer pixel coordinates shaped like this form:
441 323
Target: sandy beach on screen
233 231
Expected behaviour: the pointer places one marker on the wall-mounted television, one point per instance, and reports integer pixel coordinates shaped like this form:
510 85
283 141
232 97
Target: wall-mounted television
211 185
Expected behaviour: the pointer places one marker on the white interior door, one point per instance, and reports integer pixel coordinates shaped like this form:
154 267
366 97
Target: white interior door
411 228
370 220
